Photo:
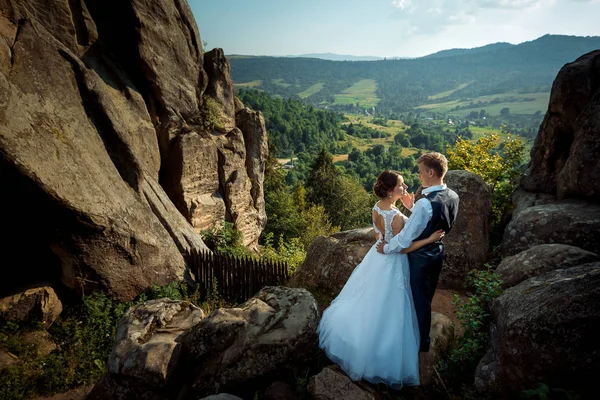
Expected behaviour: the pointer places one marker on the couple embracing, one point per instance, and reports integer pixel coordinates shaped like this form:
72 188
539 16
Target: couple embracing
380 321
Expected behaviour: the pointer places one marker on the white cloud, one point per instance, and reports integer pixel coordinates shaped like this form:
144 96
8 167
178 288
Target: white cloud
510 4
401 4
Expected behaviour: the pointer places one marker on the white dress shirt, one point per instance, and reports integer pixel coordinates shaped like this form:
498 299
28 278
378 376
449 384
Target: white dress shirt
421 214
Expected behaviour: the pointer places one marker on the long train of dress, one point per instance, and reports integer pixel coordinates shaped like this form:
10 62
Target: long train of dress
371 328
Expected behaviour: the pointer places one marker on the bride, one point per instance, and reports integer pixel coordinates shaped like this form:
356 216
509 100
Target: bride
371 329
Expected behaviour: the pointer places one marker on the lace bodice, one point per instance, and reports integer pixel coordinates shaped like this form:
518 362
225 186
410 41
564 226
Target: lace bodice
388 217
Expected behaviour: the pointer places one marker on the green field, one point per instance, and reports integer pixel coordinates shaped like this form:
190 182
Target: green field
311 90
247 84
280 82
362 92
518 103
394 126
448 92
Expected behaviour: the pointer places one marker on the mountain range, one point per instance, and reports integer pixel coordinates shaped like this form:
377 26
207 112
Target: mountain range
455 78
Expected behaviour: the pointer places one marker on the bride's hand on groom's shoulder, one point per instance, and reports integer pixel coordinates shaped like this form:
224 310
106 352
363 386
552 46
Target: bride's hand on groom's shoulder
380 246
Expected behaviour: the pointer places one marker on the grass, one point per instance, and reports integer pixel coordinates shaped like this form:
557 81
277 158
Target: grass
280 82
252 84
516 102
362 92
311 90
394 126
448 92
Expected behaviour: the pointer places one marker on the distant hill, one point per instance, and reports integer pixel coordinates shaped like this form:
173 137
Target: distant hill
338 57
467 77
460 52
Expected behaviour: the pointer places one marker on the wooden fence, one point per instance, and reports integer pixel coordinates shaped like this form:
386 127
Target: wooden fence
237 278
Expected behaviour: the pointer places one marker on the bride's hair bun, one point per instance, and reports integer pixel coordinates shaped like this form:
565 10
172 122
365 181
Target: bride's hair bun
386 182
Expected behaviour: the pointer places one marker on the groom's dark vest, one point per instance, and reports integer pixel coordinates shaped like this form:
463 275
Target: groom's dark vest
444 204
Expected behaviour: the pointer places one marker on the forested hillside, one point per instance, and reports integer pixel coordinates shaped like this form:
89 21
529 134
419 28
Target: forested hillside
398 85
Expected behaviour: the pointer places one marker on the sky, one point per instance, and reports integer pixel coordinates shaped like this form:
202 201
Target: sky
385 28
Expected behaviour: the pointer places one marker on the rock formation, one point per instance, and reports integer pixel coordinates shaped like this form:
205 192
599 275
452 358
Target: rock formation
119 141
543 328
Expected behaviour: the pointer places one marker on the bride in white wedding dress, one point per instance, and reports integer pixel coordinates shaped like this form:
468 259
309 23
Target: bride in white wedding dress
370 330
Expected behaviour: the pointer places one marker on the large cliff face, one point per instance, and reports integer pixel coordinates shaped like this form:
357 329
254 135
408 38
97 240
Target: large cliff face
100 118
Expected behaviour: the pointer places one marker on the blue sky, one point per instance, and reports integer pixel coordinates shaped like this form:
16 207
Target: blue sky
387 28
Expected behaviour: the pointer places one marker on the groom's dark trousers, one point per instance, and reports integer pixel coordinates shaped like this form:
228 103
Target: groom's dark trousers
426 262
424 273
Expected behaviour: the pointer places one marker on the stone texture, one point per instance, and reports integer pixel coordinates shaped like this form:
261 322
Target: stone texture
220 87
264 337
41 340
441 334
79 140
38 304
564 154
194 180
280 391
147 348
571 222
330 261
99 106
466 246
7 359
541 259
237 187
332 384
79 393
252 125
162 352
545 330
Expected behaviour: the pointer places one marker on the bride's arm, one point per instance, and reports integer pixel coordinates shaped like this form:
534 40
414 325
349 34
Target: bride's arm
378 225
417 244
397 224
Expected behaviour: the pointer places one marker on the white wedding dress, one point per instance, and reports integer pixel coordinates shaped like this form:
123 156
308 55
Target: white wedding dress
370 330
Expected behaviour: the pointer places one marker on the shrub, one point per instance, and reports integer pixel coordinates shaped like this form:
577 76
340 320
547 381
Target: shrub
459 365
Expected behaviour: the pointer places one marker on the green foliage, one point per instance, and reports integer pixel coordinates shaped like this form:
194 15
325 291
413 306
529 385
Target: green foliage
459 366
293 126
495 162
224 238
404 84
209 116
543 392
291 252
85 336
345 201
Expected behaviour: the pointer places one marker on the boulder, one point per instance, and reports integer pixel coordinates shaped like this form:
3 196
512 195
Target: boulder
147 348
545 330
85 110
466 246
263 338
563 157
41 340
39 304
541 259
280 391
572 222
441 334
7 359
330 261
332 383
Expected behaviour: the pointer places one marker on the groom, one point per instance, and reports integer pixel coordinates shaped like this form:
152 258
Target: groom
437 210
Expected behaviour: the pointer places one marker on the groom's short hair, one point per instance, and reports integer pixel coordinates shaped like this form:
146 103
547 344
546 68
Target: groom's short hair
435 161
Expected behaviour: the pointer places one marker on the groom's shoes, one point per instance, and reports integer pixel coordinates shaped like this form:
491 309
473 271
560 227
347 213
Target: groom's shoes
424 348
